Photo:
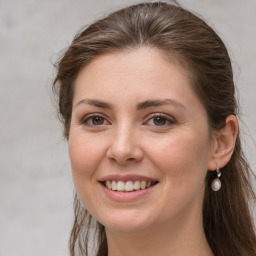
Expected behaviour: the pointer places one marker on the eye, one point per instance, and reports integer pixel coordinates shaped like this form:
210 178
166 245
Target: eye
160 120
95 120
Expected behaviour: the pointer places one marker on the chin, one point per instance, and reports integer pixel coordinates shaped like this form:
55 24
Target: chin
125 227
126 222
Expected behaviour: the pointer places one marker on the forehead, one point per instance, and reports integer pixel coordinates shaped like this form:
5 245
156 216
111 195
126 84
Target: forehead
138 66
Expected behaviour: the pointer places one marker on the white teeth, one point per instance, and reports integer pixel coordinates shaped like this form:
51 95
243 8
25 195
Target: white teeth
136 185
128 185
143 185
113 185
108 184
120 186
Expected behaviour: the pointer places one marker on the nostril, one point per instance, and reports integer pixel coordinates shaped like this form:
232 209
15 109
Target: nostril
130 159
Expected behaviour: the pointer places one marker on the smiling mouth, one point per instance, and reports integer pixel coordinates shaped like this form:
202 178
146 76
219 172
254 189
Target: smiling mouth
128 186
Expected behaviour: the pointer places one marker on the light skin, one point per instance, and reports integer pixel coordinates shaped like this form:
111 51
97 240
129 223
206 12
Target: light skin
135 112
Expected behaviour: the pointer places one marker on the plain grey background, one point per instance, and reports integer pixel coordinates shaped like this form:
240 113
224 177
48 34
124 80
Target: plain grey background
35 178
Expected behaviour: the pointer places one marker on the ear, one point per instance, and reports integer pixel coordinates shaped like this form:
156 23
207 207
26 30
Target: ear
224 144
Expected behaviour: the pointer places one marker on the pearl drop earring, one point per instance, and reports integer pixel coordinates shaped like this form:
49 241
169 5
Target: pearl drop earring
216 183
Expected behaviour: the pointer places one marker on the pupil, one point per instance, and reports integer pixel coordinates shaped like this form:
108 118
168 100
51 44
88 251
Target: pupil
97 120
159 120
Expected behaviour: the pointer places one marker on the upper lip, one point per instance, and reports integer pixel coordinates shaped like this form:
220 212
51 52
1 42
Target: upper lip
128 177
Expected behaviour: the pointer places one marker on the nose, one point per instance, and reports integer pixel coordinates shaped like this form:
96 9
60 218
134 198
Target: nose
125 147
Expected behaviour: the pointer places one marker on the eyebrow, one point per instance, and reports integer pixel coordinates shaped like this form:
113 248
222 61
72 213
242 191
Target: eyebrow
140 106
94 102
156 103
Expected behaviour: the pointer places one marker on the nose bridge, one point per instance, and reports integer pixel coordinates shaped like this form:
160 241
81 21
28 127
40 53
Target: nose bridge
125 145
123 142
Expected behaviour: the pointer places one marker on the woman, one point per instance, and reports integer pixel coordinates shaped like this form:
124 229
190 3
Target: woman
146 96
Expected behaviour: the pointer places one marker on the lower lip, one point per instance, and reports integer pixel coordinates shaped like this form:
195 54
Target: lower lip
126 196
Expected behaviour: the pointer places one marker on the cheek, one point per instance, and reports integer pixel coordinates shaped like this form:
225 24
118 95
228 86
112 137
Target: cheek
85 155
182 162
84 158
182 157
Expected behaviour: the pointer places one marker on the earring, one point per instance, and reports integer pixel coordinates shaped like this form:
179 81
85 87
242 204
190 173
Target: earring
216 183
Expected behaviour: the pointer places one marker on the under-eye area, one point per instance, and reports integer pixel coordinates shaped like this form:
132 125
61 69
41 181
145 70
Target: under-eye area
128 186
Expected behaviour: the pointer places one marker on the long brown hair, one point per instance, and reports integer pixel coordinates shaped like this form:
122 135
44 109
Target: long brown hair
181 35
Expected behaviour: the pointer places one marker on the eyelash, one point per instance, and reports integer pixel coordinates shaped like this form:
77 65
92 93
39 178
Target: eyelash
170 121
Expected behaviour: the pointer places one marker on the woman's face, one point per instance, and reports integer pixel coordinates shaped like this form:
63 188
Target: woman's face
139 142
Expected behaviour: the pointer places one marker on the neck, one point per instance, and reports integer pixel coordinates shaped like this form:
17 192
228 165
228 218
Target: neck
179 238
